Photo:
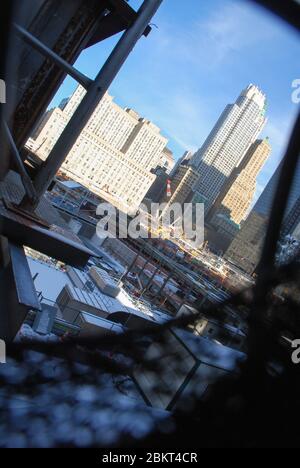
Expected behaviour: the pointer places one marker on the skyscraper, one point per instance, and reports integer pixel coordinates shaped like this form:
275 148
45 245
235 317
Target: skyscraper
246 248
235 200
237 128
185 158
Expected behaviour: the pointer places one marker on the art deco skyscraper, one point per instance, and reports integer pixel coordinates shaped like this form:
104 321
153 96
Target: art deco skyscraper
237 128
236 199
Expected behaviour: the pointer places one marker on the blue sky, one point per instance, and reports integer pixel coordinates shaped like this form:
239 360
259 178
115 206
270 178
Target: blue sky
198 57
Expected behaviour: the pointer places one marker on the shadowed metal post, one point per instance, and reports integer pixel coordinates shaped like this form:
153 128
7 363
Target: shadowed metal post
27 182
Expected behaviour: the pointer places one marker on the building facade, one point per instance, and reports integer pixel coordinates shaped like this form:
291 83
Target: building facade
246 248
114 154
159 187
237 128
168 162
236 199
185 159
182 185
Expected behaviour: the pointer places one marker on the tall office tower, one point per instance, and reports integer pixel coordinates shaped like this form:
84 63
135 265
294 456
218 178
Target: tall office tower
237 128
114 154
245 249
158 189
236 198
185 158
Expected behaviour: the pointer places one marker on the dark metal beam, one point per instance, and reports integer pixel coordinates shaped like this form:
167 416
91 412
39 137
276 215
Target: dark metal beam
120 18
288 10
94 94
26 180
55 58
17 291
54 242
65 27
5 22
